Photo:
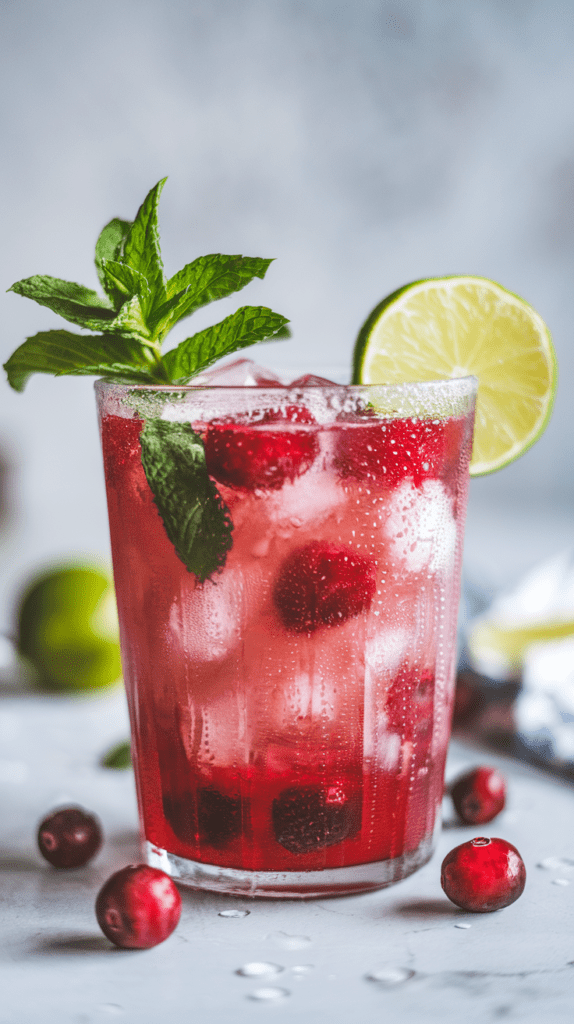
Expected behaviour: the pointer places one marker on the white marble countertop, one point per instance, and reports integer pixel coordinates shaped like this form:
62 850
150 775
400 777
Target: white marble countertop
438 962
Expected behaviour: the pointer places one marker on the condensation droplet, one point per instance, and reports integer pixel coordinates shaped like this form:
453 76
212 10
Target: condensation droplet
301 969
269 994
234 913
462 924
560 881
389 976
257 969
286 941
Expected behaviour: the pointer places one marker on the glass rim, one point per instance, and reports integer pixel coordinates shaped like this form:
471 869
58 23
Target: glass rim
467 384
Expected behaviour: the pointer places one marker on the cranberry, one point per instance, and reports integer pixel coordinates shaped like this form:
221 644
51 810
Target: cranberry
138 907
250 459
479 795
69 837
219 816
307 818
214 815
389 451
483 875
323 584
409 706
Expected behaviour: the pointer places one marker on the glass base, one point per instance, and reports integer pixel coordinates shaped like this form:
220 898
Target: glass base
290 884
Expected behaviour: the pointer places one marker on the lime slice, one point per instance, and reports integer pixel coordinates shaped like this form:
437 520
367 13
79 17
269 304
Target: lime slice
500 651
461 326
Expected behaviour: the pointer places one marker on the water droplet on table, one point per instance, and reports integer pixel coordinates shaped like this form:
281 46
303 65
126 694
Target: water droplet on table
258 968
560 881
234 913
300 969
557 864
462 924
286 941
268 994
389 976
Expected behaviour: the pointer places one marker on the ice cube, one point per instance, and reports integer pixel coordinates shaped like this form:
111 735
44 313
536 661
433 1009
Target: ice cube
310 380
306 500
239 373
387 650
389 749
420 526
209 620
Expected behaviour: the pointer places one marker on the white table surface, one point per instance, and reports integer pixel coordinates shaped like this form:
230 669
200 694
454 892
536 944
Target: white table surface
56 966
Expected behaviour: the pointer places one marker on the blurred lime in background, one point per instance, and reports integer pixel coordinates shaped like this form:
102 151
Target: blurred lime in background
68 628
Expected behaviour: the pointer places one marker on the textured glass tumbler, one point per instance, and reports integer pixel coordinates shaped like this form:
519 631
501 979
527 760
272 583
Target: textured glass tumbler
290 715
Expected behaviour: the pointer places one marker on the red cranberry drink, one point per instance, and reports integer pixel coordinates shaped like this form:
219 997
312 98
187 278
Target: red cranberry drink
291 711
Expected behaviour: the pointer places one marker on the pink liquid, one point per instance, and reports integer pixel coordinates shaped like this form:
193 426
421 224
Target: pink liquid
262 740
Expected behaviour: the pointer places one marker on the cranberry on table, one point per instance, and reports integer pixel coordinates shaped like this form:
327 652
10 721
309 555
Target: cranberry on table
138 907
69 837
479 795
483 875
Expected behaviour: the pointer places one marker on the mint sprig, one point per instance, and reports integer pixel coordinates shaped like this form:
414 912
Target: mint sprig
138 310
131 321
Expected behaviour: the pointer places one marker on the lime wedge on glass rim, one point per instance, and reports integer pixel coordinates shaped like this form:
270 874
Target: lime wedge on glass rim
460 326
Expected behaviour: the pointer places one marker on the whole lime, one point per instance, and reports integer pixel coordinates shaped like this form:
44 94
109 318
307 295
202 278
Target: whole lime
68 628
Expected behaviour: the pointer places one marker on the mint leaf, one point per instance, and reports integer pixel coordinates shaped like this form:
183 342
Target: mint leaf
121 282
119 757
141 249
205 280
130 320
61 352
74 302
245 327
195 517
85 308
109 246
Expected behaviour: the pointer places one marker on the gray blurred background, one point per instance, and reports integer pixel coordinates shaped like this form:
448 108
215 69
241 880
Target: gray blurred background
362 144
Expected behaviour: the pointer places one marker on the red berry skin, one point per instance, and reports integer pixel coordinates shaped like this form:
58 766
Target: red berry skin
323 584
138 907
389 451
483 875
69 837
479 795
247 459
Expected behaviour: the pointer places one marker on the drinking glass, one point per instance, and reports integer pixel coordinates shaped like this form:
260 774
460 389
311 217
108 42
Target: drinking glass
290 715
